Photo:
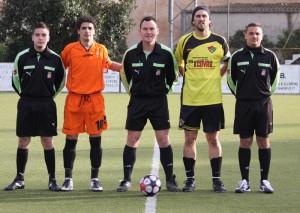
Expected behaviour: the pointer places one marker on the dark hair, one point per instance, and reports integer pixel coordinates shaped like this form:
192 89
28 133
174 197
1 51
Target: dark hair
253 24
39 25
199 8
148 18
88 19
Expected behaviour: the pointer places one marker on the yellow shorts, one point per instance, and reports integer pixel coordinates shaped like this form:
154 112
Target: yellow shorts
84 113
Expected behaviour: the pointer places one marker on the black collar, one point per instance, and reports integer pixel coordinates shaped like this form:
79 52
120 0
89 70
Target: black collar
155 50
33 52
248 49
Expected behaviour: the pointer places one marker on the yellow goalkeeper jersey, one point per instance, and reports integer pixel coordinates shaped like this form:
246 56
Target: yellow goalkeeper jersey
201 58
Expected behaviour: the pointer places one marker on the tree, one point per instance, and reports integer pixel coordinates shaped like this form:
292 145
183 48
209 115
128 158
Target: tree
114 23
238 40
61 15
2 51
289 41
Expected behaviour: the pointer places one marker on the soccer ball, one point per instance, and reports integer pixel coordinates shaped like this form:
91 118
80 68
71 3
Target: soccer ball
150 185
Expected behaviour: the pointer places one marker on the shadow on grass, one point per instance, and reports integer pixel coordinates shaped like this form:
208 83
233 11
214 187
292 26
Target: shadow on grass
44 195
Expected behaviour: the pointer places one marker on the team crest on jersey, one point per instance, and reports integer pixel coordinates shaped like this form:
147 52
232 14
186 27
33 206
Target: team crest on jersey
158 71
211 49
97 52
15 72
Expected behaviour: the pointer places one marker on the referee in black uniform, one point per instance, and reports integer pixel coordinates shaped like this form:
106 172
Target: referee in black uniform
149 70
38 77
253 76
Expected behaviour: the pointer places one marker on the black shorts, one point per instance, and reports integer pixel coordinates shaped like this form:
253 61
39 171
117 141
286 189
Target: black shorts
253 116
153 108
36 118
212 117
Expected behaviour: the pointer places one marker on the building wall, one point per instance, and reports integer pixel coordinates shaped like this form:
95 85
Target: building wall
273 24
160 9
225 2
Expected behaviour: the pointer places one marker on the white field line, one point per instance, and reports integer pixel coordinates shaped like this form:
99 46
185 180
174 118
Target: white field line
150 205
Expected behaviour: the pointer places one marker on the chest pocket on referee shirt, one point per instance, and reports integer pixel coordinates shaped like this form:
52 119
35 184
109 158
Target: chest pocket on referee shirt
159 71
158 77
49 73
136 71
28 72
265 72
242 69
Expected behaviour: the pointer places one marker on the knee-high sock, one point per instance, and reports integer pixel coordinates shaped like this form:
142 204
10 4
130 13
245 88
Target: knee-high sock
244 161
95 156
49 156
22 157
216 164
166 159
69 154
129 157
264 161
189 165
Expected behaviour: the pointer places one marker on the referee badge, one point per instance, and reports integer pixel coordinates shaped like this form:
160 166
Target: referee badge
49 75
263 72
158 71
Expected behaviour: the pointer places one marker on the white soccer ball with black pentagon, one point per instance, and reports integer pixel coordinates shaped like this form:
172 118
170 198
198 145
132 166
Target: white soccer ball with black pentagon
150 185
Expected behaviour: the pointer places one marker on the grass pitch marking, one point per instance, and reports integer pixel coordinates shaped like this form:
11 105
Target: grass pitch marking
150 205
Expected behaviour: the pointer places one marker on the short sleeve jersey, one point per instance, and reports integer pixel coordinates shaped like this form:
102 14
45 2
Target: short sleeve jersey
201 58
85 67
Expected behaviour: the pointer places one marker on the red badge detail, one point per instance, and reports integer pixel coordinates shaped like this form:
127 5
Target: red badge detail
158 71
211 49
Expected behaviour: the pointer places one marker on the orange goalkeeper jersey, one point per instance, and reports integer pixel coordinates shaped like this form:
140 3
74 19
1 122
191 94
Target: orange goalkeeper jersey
85 67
